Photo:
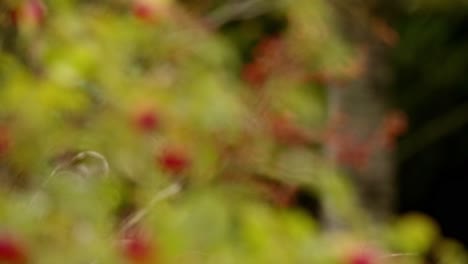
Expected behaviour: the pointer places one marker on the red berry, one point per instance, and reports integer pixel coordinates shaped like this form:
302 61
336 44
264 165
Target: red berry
137 246
254 74
31 12
361 259
147 120
36 9
14 17
268 47
280 194
144 11
285 131
363 256
5 140
319 78
11 251
267 56
174 160
396 123
351 152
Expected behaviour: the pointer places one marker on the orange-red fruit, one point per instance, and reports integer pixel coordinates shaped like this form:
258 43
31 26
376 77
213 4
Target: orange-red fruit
351 152
36 9
266 54
174 160
268 47
320 78
14 16
396 123
11 251
147 120
286 131
31 11
137 247
5 140
362 257
254 74
355 156
144 11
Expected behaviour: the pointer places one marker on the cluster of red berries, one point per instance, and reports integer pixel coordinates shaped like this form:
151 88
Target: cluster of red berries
351 151
34 11
172 159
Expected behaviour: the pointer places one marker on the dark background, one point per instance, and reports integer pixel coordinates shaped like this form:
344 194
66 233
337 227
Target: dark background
431 84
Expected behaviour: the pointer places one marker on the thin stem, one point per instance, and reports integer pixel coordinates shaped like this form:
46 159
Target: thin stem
168 192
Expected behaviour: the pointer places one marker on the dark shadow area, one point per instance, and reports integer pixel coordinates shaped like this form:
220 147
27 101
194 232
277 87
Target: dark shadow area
431 85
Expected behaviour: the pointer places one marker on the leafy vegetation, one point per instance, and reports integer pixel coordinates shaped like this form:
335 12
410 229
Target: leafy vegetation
137 132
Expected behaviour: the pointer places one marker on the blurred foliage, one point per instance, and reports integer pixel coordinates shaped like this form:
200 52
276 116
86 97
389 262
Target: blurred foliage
134 132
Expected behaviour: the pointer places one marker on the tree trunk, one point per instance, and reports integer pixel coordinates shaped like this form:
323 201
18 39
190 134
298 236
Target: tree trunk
361 102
